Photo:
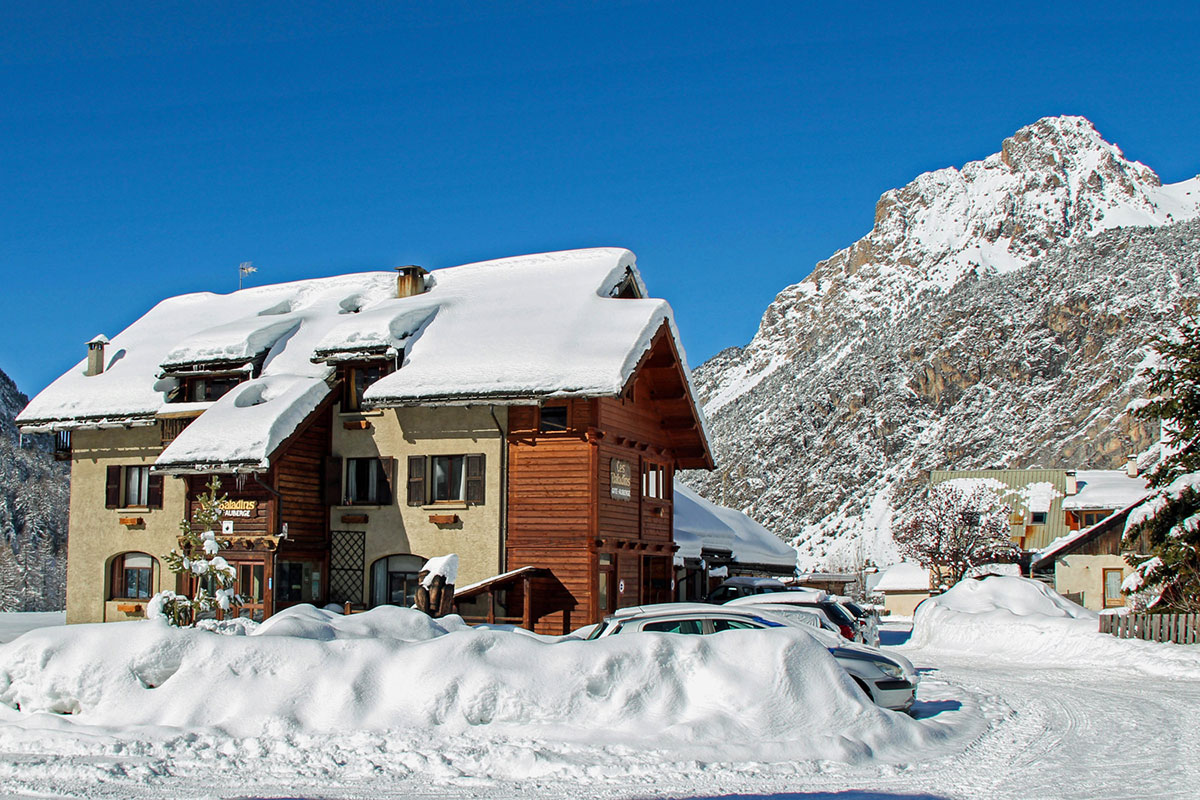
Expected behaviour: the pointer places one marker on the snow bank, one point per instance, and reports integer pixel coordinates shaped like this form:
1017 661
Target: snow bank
1022 620
766 695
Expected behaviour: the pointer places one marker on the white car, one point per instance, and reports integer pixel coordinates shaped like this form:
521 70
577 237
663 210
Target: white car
890 681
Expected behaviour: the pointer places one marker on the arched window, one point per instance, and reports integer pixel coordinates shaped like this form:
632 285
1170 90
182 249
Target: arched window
133 576
394 580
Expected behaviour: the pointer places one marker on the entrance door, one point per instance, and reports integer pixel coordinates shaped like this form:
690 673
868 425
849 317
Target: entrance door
252 587
606 585
656 579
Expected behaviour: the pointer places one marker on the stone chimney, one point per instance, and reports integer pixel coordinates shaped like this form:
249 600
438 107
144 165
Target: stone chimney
1072 487
95 359
410 280
1131 467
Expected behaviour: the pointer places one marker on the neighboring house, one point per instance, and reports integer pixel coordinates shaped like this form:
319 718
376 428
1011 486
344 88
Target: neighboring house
1088 565
1048 504
526 413
903 587
717 542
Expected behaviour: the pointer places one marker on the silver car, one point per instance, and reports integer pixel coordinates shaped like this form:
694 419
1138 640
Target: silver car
888 680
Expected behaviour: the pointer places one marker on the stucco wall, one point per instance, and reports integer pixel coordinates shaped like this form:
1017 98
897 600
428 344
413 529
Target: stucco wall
1082 573
402 529
902 604
95 533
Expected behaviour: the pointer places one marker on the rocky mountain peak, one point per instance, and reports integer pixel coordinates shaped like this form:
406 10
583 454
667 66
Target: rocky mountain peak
994 315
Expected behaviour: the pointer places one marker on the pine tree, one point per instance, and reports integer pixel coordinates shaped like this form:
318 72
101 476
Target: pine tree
1170 570
199 559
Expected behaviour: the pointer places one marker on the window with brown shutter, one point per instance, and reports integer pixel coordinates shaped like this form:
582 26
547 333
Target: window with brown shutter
416 480
112 487
475 475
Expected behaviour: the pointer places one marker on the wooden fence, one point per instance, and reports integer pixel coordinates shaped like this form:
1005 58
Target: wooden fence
1177 628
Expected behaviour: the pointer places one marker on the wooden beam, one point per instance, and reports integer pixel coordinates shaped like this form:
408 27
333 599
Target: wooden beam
680 423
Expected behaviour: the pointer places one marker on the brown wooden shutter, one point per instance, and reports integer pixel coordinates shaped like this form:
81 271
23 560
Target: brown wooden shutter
387 465
154 491
116 577
416 480
332 481
112 488
475 479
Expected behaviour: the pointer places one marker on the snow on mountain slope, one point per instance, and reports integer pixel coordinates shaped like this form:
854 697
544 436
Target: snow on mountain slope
994 316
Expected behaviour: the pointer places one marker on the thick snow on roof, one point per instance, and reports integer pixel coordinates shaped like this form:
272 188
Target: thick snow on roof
525 327
701 524
197 326
904 577
1105 488
516 327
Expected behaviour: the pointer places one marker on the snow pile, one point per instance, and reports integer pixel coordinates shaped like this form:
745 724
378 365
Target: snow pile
446 566
1022 620
1105 488
308 673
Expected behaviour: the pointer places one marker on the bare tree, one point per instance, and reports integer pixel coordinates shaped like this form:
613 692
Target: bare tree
956 527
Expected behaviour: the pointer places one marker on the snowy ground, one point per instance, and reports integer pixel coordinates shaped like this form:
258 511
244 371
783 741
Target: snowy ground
1006 725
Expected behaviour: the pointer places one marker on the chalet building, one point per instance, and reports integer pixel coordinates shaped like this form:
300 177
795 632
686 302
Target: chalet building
1048 504
528 414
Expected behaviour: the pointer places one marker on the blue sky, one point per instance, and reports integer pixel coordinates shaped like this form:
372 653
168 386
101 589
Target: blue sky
146 150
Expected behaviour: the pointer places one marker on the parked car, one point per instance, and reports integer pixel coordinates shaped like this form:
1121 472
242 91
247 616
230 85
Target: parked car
847 623
868 619
889 681
743 586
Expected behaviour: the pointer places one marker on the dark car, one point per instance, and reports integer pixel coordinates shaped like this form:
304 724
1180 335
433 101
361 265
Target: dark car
742 586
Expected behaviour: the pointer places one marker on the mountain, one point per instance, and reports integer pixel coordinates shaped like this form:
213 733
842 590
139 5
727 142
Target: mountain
34 492
995 315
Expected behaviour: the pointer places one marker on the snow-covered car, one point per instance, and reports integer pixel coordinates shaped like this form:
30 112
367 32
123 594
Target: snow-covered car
889 681
846 622
743 586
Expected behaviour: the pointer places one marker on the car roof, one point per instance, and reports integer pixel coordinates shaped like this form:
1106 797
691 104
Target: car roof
675 609
747 580
792 596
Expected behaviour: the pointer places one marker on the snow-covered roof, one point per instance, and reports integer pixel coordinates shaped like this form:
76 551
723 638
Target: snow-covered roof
703 525
1105 488
510 330
904 577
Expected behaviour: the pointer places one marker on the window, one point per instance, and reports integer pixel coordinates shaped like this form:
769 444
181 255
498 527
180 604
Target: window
133 576
368 481
355 380
655 481
1112 587
200 389
552 419
394 580
731 625
132 487
690 626
446 479
1090 518
298 581
1037 518
448 474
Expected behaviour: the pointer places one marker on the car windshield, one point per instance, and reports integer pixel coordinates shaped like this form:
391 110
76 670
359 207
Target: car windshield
855 609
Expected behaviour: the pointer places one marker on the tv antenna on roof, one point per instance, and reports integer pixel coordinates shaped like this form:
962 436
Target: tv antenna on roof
244 269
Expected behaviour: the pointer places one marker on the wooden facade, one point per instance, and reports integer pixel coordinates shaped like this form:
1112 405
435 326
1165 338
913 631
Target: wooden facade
591 504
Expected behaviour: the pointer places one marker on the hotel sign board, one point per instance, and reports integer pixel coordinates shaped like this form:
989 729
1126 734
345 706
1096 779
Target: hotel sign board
239 508
620 479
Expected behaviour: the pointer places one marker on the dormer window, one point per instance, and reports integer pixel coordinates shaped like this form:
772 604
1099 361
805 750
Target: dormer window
204 388
355 380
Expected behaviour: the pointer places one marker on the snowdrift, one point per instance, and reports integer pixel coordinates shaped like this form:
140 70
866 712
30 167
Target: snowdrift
1019 619
309 673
